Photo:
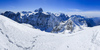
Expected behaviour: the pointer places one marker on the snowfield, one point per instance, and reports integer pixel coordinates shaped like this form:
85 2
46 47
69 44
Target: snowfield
15 36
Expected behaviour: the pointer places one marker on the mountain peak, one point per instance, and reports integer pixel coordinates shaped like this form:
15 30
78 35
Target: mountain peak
40 10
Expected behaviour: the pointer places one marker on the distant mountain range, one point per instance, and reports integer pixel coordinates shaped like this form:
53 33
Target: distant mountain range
51 22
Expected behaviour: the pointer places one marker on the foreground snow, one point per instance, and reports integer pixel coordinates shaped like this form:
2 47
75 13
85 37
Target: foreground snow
14 36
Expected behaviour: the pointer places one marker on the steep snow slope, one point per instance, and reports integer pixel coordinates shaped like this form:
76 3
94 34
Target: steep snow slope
14 36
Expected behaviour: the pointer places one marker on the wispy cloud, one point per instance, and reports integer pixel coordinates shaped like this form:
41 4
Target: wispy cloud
1 10
83 13
75 10
86 13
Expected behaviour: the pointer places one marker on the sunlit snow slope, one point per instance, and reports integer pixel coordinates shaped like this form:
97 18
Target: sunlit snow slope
15 36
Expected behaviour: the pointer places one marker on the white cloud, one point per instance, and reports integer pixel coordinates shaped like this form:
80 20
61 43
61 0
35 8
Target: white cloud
1 10
75 10
85 13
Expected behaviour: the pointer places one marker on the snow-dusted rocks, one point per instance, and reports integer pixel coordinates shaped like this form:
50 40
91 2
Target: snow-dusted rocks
10 14
73 24
36 10
40 10
18 19
62 17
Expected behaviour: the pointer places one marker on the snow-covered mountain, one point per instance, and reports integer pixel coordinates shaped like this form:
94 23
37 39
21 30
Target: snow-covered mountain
94 21
38 19
73 24
15 36
52 22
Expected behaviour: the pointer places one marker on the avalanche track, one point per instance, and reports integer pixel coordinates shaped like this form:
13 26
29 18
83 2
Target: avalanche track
15 36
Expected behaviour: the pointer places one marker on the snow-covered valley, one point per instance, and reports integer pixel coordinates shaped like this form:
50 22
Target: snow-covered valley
15 36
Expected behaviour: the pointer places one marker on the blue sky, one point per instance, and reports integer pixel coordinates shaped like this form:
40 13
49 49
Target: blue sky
71 6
